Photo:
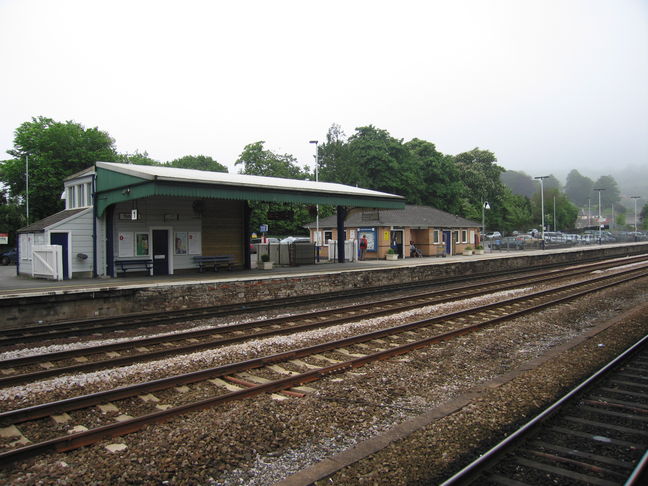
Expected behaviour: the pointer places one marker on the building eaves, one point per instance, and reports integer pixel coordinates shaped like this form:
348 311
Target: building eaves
51 220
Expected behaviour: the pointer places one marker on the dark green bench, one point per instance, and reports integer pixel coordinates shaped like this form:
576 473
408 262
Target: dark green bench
135 264
214 262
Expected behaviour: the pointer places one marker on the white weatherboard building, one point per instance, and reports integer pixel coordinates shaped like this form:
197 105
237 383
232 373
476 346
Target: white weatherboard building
158 220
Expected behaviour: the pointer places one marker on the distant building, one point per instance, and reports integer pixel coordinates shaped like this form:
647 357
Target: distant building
433 231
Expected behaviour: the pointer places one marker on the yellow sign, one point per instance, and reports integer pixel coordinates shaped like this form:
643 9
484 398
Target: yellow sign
386 235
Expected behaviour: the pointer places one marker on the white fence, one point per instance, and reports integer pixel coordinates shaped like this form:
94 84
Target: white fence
47 262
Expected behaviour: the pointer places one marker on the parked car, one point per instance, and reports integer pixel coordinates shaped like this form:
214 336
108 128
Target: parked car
493 235
8 257
295 239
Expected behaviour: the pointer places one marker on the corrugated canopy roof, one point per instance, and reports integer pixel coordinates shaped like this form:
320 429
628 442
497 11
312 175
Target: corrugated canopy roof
125 182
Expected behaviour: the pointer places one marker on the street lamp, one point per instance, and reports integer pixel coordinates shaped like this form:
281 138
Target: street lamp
635 217
599 190
542 178
317 238
27 186
485 206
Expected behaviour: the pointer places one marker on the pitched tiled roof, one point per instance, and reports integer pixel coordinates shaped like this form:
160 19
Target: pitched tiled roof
411 216
50 220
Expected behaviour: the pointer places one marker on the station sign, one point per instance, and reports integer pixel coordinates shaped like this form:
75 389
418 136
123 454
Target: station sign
4 238
263 228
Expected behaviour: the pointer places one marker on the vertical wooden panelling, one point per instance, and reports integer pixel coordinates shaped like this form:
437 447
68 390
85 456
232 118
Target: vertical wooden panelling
222 228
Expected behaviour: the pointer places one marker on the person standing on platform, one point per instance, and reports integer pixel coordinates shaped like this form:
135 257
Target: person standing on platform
363 247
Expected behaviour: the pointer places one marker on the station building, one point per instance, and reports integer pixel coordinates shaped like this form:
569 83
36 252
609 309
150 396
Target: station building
161 218
434 232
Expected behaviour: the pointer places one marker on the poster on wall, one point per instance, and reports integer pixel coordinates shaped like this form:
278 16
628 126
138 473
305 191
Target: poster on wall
125 244
195 245
181 243
142 244
370 234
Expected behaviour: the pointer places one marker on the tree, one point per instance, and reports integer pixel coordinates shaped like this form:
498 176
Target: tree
643 217
440 185
610 193
198 162
578 188
566 212
258 161
137 158
519 183
55 150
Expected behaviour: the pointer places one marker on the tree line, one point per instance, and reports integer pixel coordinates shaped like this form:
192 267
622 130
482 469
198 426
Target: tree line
460 184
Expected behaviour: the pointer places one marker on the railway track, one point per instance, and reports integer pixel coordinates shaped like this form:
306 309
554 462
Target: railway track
84 359
596 434
77 328
59 426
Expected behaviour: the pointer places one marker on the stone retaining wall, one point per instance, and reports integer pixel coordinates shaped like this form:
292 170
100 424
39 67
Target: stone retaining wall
60 306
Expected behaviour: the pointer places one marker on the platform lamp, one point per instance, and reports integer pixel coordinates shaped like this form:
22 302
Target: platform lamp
599 190
635 208
485 206
317 205
541 179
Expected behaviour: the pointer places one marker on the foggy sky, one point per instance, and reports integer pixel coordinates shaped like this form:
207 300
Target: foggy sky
546 85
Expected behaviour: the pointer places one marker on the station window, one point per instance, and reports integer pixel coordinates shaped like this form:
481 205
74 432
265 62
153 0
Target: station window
436 236
464 236
328 235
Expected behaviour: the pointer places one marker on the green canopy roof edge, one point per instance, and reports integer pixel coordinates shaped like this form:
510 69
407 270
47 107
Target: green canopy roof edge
141 189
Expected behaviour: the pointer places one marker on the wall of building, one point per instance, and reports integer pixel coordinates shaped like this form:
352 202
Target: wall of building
68 305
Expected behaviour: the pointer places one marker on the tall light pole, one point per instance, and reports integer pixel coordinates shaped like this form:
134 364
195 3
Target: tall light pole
27 186
317 205
599 190
541 179
635 218
485 206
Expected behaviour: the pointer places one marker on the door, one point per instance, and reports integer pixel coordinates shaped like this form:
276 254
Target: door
447 240
62 240
160 252
396 239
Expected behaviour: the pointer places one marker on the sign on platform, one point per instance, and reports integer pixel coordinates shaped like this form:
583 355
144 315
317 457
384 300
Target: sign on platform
263 228
4 238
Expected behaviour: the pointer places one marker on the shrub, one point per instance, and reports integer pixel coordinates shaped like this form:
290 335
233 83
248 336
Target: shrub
265 257
391 251
469 248
479 247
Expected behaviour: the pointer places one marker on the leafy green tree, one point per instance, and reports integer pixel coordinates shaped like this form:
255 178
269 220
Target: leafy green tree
609 195
198 162
55 150
519 183
137 158
517 213
439 185
383 163
256 160
12 216
643 217
334 159
578 188
566 212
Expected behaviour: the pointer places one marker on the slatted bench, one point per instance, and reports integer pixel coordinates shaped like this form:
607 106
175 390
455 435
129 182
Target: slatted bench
214 262
139 264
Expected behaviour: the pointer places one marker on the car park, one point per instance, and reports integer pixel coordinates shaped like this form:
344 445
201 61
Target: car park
295 239
493 235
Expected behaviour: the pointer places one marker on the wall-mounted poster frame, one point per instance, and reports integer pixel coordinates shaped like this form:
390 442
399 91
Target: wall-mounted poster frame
180 242
142 244
195 243
125 246
370 233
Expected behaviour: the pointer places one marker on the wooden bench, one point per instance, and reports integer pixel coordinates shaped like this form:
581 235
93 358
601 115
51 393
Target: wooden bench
139 264
214 262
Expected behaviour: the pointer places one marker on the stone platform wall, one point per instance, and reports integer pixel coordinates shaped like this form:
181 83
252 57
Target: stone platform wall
61 306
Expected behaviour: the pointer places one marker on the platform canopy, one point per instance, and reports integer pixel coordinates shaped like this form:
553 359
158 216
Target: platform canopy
125 182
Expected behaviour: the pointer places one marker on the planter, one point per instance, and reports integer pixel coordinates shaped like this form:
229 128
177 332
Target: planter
267 265
467 252
391 256
479 252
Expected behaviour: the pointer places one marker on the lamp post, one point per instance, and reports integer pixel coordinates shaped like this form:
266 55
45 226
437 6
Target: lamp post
635 217
317 205
27 186
599 190
485 206
541 179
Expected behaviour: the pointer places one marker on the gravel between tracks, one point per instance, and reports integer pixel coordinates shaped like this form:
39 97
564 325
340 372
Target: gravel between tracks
261 441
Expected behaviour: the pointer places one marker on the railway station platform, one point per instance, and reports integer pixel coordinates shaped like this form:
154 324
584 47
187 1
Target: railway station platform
26 301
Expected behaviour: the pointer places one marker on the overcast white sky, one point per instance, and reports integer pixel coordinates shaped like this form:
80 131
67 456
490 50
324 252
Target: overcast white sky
547 85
